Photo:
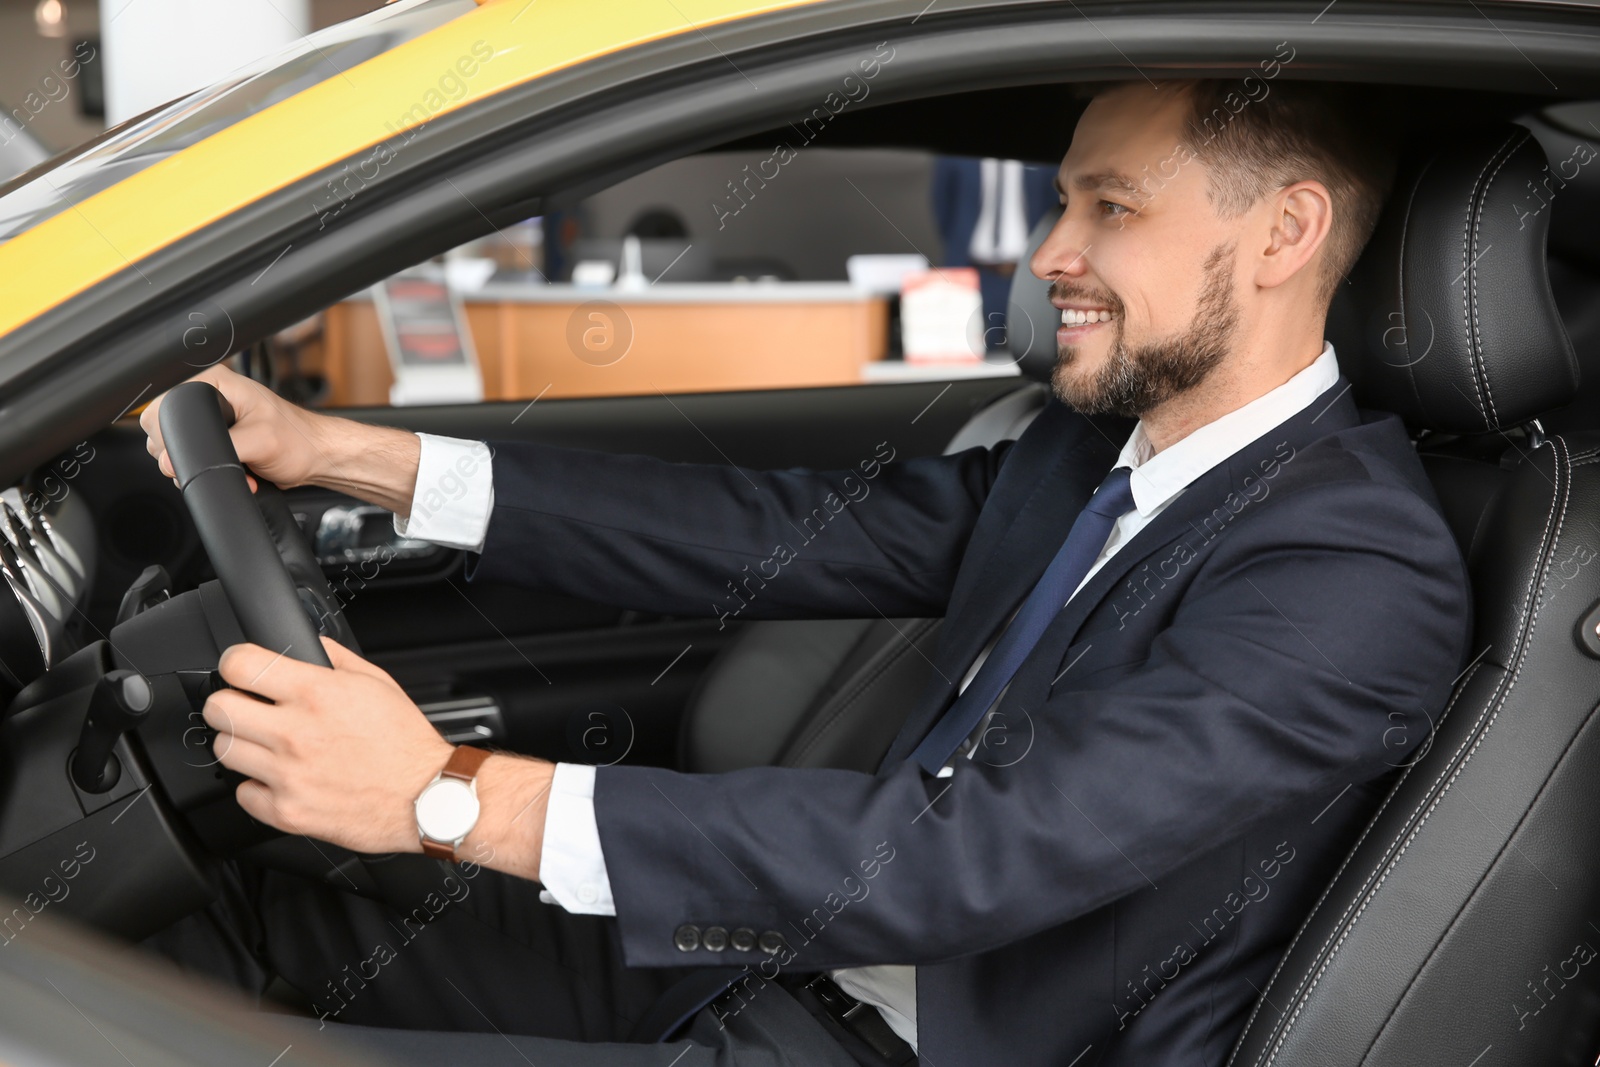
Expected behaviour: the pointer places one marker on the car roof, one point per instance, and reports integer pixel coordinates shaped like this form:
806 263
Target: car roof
334 119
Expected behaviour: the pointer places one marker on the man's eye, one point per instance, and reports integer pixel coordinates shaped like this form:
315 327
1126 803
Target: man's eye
1113 210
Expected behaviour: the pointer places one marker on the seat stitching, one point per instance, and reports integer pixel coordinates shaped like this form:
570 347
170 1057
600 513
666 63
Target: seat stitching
1469 287
1384 863
1469 282
1283 960
1404 840
1559 504
1478 206
1510 844
1466 323
1366 896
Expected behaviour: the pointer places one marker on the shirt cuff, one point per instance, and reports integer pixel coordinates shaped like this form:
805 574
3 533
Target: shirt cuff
571 865
454 495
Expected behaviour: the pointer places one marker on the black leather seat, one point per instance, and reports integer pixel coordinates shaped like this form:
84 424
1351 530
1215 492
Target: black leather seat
831 692
1464 927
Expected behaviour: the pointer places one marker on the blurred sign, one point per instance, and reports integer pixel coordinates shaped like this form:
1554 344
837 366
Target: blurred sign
941 316
430 347
882 273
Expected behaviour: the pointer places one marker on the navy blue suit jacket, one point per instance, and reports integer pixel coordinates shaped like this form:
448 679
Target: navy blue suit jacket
1189 750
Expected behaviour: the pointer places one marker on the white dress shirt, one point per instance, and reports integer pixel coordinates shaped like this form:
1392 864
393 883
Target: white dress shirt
1000 234
572 865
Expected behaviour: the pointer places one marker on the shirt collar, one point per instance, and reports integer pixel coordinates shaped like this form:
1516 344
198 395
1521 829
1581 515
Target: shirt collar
1158 478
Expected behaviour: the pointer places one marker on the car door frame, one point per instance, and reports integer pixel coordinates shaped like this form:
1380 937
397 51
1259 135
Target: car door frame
77 367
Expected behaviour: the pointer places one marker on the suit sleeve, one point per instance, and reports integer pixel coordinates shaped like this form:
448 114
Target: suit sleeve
711 540
1271 686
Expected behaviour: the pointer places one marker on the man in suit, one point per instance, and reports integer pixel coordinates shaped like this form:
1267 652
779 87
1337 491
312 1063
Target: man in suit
985 209
1211 587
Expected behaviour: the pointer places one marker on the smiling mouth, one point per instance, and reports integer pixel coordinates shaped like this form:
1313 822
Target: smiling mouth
1084 316
1078 322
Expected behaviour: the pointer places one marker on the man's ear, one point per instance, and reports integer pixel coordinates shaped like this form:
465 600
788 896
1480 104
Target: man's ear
1301 215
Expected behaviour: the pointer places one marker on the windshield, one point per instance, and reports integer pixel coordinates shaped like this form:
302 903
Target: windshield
130 147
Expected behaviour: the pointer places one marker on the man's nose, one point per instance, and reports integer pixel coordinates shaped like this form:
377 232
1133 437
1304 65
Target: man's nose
1061 254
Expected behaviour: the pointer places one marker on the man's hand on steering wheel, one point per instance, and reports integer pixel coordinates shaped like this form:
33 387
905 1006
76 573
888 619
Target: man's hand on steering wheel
337 751
291 446
274 438
340 755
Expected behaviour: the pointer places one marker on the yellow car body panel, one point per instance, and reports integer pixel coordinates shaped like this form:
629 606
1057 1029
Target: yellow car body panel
328 122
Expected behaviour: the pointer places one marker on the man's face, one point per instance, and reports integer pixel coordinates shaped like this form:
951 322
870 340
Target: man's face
1141 267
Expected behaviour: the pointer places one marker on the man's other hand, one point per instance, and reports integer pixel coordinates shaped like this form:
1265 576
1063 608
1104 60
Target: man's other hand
290 446
340 755
274 438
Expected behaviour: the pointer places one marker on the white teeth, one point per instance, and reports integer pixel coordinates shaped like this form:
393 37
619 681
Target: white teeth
1073 317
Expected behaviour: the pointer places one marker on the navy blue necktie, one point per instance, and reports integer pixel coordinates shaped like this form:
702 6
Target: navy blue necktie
1077 554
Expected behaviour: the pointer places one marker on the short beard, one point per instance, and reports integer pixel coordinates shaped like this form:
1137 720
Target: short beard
1135 380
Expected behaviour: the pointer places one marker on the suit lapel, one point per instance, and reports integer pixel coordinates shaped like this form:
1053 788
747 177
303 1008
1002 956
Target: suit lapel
1021 542
1031 508
1012 545
1206 498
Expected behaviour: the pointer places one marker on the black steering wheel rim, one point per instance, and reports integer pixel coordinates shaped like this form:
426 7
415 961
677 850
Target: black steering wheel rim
254 544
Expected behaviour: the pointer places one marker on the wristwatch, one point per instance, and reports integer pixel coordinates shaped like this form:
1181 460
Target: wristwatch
447 807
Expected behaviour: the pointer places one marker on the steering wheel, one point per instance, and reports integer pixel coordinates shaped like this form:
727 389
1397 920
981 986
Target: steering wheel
272 581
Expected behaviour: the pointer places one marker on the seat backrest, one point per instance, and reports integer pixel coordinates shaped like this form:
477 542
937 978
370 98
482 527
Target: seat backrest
834 692
826 692
1464 927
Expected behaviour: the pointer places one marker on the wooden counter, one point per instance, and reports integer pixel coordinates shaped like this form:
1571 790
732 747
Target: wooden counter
560 341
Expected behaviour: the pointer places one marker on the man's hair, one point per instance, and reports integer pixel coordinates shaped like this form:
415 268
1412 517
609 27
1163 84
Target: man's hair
1258 136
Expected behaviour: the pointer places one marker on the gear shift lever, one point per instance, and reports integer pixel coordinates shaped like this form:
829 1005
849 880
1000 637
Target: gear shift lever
120 702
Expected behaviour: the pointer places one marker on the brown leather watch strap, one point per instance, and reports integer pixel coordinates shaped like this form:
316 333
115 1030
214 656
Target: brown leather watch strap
439 850
464 764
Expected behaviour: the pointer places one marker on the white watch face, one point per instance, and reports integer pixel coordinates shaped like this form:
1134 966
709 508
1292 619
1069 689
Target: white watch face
447 809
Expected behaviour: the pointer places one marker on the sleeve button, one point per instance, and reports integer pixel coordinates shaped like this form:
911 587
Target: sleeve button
771 942
587 893
742 939
686 937
715 938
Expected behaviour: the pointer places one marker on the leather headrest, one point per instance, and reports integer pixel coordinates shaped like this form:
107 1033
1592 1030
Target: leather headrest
1448 319
1031 319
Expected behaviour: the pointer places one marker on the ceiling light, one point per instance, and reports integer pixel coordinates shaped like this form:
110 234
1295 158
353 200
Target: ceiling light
50 17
